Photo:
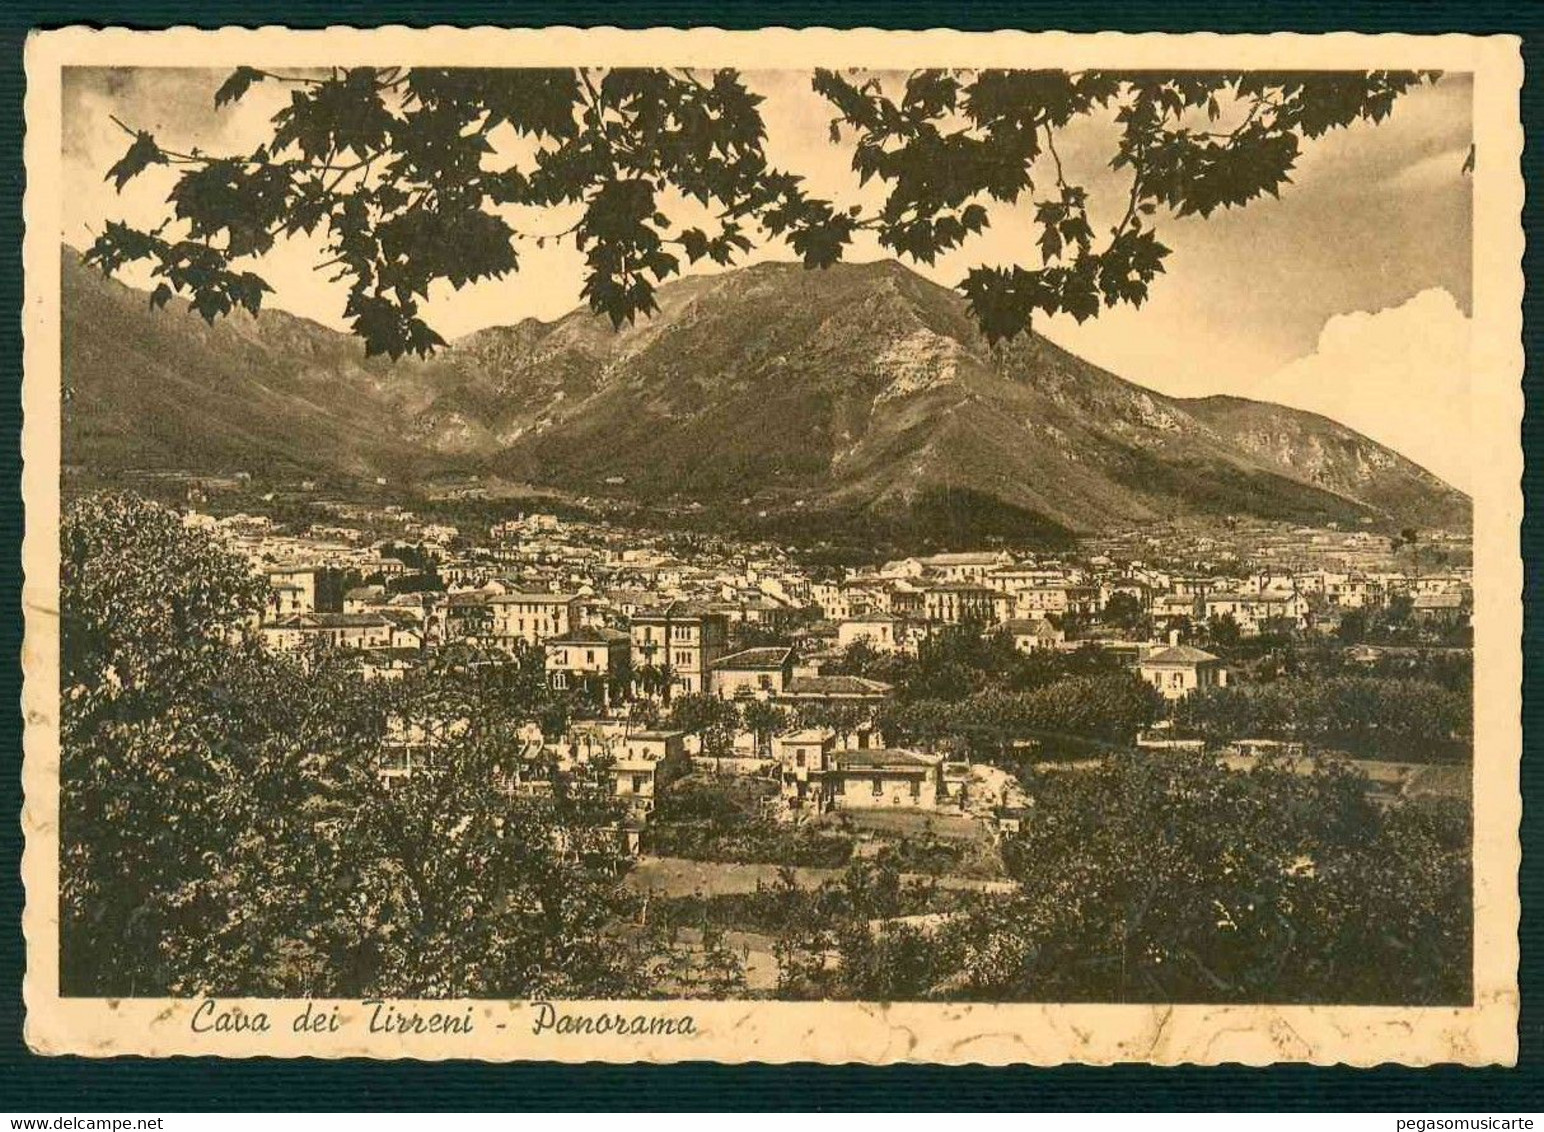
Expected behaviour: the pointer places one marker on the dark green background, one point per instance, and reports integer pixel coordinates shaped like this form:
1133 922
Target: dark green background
82 1086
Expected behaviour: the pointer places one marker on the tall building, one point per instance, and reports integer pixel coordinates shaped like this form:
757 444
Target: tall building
532 617
681 637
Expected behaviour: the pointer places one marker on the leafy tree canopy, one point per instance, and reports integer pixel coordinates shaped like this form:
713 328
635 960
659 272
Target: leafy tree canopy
418 176
1165 877
224 828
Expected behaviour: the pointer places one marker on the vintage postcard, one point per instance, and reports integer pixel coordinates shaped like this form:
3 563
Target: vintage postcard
773 546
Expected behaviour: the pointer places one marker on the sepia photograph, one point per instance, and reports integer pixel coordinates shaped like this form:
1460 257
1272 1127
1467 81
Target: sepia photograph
571 547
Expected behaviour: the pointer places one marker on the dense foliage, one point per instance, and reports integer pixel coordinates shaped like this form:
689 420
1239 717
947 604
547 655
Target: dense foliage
958 660
224 828
1110 708
412 177
713 720
1396 624
969 683
716 820
1401 720
765 909
1166 878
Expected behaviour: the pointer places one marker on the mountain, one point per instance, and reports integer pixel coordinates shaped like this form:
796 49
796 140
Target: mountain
859 395
163 389
1332 456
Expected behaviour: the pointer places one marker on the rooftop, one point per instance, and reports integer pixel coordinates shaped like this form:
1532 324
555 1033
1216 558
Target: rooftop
756 658
835 686
590 636
964 558
886 759
741 605
1039 626
1179 654
673 611
331 621
807 735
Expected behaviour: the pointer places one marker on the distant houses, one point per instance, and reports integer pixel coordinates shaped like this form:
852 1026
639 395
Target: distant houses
819 775
1441 608
1036 635
951 603
624 623
680 639
756 673
1177 671
591 657
530 618
965 566
1253 613
360 631
881 631
292 590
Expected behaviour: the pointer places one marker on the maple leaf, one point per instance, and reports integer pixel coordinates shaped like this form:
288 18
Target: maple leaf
142 153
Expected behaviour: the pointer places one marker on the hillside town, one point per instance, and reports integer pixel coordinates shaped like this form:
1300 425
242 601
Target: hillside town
631 625
548 537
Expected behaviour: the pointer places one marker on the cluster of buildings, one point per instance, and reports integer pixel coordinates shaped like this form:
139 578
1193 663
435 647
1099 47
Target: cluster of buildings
894 606
621 616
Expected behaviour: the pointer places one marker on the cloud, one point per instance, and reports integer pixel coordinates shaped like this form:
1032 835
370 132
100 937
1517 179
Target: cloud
1438 171
1398 375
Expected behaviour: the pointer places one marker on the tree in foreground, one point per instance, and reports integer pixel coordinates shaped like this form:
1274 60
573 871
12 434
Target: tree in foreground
415 177
1165 877
224 828
146 610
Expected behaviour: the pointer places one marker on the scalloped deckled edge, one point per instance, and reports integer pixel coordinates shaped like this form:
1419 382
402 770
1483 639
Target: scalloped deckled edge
836 1033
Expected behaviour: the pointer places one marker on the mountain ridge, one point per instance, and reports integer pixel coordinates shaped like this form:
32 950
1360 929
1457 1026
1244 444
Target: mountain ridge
863 390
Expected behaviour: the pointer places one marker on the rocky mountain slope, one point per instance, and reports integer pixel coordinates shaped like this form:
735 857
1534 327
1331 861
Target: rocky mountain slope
862 392
1330 455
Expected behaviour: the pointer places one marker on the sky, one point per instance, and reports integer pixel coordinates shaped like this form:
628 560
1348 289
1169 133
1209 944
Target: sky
1350 296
